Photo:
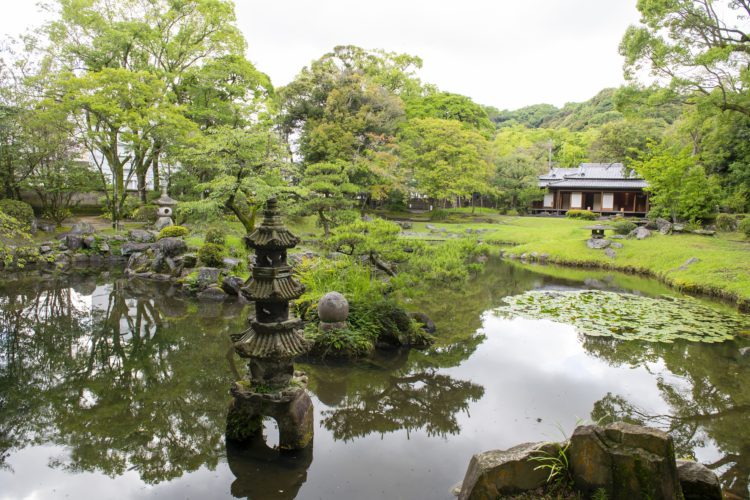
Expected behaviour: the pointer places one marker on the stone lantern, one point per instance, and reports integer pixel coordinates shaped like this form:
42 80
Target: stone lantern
270 345
166 207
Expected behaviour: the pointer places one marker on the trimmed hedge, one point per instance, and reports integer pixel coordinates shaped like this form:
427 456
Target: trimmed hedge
623 226
580 214
211 255
173 232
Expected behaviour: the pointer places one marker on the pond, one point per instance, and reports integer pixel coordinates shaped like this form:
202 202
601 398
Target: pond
119 389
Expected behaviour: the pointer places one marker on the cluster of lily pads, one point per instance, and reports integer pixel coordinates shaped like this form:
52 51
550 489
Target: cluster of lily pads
628 317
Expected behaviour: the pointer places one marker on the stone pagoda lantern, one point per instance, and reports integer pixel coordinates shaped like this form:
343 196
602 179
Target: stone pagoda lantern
166 207
271 343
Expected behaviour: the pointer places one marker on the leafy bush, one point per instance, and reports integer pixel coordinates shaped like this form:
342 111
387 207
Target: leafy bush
726 223
216 236
211 255
744 226
623 226
448 262
338 342
439 214
580 214
355 281
19 210
146 213
173 232
197 212
512 212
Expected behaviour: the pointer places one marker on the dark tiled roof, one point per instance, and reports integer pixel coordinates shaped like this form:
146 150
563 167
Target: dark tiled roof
593 175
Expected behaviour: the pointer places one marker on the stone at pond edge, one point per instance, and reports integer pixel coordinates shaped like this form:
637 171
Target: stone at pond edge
232 285
626 461
213 293
424 321
597 243
333 308
130 248
503 472
698 481
171 246
141 235
207 276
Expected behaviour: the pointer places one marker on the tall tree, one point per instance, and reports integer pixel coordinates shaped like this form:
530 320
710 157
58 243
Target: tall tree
701 48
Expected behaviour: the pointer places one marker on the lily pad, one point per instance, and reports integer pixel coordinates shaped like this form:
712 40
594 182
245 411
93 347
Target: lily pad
627 317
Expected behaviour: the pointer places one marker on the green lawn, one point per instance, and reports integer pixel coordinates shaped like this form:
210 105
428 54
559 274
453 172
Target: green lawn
723 268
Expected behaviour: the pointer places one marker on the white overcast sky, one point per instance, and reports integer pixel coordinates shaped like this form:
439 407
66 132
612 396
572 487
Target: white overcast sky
503 53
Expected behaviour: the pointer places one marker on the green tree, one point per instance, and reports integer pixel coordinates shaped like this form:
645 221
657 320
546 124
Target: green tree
446 159
701 48
623 140
516 179
447 106
328 191
679 186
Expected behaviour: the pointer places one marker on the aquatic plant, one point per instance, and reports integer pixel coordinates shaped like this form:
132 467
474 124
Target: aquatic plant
628 317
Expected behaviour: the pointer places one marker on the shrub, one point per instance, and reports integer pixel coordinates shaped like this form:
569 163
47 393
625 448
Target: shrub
19 210
439 214
745 226
173 232
623 226
512 212
580 214
211 255
198 212
338 342
216 236
146 213
726 223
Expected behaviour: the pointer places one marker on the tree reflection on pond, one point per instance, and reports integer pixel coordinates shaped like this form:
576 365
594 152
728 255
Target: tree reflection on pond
707 395
125 379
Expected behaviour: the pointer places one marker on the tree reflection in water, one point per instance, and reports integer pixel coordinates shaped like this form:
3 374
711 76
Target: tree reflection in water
122 376
709 400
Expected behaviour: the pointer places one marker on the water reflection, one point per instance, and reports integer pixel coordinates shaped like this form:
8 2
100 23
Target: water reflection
263 472
121 376
126 383
707 394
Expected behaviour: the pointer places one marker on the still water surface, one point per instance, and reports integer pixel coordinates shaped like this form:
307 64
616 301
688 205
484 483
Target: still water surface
117 389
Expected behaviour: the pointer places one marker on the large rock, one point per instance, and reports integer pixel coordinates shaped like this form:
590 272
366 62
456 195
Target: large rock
639 233
130 248
213 293
626 461
82 228
171 247
89 242
663 225
232 285
505 472
597 243
74 241
141 236
698 481
424 321
207 276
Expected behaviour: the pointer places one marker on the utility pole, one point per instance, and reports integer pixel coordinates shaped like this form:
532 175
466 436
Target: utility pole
549 154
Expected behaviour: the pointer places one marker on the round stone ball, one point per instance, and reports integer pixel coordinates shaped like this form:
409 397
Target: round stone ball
333 308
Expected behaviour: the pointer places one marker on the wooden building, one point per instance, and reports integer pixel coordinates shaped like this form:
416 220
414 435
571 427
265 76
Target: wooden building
605 188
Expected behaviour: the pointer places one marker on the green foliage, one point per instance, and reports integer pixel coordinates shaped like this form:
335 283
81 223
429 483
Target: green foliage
623 226
581 214
726 223
196 212
173 232
628 317
212 255
356 282
680 187
556 464
744 226
19 210
377 240
439 214
451 261
329 191
338 342
447 106
216 235
146 213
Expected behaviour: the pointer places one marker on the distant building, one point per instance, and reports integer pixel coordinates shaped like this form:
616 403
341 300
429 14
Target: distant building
605 188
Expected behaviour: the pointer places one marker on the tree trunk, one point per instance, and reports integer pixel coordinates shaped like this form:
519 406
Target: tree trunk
326 224
248 221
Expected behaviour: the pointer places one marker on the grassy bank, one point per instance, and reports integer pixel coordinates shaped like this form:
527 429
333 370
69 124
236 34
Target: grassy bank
722 269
